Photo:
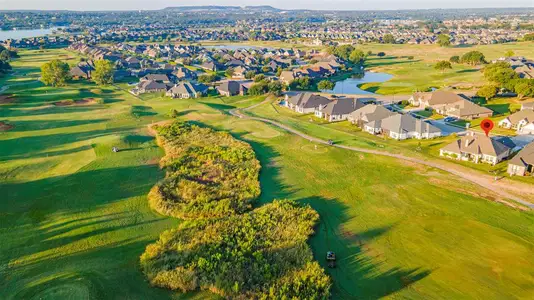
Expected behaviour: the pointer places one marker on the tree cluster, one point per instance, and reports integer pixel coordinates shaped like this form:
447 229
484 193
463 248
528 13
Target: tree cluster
258 255
209 173
5 57
55 73
207 78
473 58
325 85
224 247
347 53
302 83
103 73
442 65
266 86
501 75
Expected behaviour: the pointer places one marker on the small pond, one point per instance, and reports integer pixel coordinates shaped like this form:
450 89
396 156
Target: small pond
350 85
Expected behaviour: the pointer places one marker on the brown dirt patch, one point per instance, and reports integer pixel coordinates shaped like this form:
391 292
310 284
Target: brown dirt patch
85 101
5 126
8 98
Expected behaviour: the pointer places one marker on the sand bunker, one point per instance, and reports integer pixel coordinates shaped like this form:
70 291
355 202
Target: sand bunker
84 101
8 98
5 126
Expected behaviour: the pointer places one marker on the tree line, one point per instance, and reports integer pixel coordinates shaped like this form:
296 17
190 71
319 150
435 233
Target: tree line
57 73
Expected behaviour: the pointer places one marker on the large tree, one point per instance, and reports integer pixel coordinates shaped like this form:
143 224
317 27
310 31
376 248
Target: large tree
487 92
473 58
388 39
444 40
501 74
55 73
442 65
357 56
103 73
524 88
325 85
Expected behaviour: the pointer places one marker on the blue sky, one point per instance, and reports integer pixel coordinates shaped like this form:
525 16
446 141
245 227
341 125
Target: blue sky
309 4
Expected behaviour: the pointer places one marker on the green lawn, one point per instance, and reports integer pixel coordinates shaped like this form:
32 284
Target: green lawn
76 217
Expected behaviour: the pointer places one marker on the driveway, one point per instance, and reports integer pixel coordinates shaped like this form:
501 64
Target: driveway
522 140
445 128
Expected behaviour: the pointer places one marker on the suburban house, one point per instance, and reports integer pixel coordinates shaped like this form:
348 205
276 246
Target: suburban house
82 70
161 78
287 77
476 148
149 86
523 163
232 88
210 66
339 109
522 121
369 113
184 74
306 103
369 117
528 105
239 72
401 127
451 104
185 90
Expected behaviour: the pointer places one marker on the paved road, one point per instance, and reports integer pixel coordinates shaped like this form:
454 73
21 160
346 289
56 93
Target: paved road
477 178
446 128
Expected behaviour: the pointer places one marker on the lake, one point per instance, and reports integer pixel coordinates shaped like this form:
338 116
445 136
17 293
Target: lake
24 33
350 85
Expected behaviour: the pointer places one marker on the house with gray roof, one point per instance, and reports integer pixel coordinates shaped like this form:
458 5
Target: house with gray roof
161 78
477 148
451 104
401 127
232 88
186 90
149 86
182 73
368 114
306 103
523 163
339 109
522 121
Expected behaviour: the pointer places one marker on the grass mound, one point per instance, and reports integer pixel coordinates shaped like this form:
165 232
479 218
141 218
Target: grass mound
258 255
209 173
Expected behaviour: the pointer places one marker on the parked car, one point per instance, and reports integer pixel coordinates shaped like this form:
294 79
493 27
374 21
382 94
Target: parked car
449 119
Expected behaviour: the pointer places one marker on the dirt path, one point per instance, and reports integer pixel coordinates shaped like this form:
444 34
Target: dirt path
501 187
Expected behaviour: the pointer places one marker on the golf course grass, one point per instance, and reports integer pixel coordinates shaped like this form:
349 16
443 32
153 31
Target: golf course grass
75 216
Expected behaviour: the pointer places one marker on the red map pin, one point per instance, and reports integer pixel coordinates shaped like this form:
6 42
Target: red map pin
487 126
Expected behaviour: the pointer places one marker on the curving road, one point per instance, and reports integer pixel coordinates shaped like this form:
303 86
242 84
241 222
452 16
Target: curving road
479 179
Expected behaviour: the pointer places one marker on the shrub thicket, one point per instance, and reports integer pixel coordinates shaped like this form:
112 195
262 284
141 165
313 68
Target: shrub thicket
262 254
209 173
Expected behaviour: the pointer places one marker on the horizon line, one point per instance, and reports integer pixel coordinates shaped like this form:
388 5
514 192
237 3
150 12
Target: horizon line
252 6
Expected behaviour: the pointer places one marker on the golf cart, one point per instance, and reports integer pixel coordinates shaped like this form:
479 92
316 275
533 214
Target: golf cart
330 142
331 259
115 149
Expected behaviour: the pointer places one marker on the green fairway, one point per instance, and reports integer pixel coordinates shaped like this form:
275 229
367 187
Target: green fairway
76 219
